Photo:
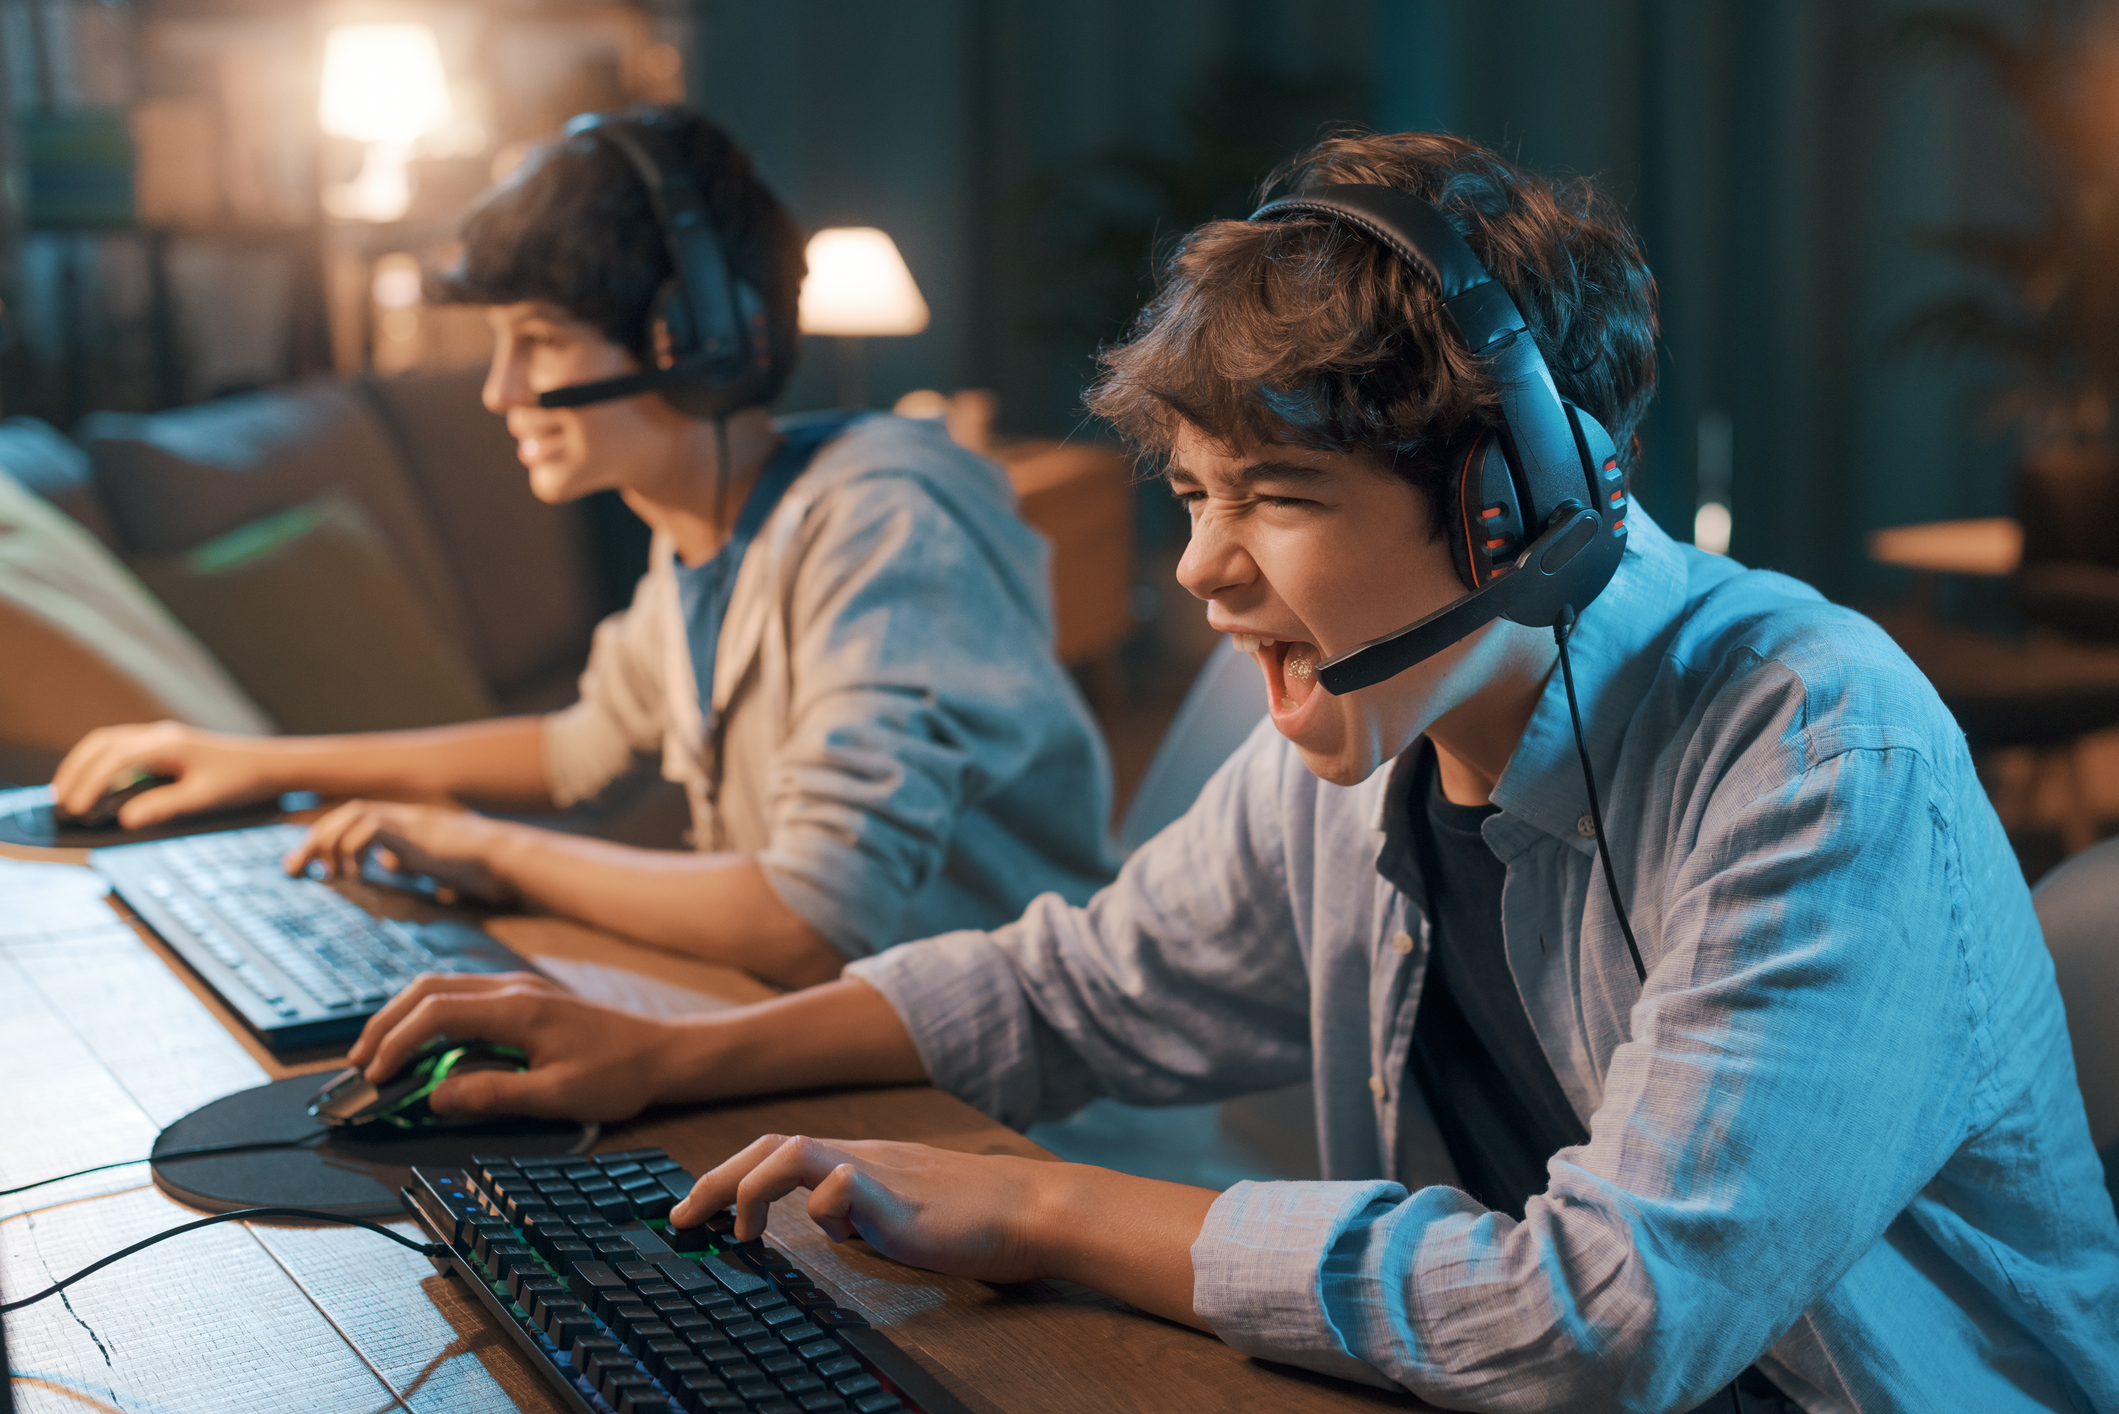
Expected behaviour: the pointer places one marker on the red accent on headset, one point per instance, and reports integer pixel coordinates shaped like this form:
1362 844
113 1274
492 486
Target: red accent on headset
1611 464
1496 544
1464 508
1490 513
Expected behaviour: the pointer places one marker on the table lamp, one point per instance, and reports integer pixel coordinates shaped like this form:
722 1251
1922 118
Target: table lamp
383 87
858 286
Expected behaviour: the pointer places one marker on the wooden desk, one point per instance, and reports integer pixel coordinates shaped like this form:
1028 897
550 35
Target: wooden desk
105 1037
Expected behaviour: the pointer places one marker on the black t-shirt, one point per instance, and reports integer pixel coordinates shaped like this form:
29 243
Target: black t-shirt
1477 1062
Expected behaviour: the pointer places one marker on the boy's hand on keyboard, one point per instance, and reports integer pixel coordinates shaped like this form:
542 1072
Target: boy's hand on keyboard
211 769
586 1061
992 1217
965 1214
452 847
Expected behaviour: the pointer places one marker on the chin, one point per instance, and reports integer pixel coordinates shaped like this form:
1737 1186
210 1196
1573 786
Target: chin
1336 750
555 484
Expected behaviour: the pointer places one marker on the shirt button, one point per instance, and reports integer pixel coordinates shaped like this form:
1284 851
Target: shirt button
1586 827
1377 1087
1402 943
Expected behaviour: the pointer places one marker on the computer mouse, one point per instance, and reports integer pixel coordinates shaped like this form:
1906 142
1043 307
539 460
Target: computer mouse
350 1098
123 787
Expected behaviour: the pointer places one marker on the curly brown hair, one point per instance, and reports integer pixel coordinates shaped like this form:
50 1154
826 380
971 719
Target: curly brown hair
1307 333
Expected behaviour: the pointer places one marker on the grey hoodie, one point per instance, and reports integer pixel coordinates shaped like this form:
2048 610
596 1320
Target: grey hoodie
890 735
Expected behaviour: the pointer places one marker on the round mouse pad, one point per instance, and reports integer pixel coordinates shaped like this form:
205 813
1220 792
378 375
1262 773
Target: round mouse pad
353 1172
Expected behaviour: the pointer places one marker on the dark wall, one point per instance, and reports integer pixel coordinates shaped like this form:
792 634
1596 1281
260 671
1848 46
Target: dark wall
1775 155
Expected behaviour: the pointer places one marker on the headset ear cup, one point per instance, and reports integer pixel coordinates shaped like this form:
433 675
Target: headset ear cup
1486 525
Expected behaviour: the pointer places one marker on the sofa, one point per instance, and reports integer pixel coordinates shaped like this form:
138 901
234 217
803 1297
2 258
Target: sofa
362 554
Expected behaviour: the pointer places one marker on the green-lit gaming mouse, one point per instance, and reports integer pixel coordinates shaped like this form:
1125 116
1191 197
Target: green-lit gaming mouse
351 1098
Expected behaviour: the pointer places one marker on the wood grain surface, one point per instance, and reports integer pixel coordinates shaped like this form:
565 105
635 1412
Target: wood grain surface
106 1036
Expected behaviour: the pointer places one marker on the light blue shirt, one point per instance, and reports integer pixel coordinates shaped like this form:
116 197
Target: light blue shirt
704 589
1838 1132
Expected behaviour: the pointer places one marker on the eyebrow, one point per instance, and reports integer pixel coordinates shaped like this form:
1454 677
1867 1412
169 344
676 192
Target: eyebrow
1253 472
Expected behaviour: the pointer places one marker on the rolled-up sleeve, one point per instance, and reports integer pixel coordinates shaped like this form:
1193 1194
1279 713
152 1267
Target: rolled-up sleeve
1808 1049
917 692
1181 982
621 711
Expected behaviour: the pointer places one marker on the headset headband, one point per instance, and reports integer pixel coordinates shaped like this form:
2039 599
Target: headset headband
1565 480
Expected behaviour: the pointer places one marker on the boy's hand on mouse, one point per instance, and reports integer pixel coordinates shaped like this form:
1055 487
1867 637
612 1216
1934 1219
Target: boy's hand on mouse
211 769
453 847
586 1061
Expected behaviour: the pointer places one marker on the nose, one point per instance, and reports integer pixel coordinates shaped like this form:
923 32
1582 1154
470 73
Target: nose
507 382
1214 563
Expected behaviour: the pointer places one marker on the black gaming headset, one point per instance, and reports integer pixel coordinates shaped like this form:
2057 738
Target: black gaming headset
708 345
1538 519
1538 522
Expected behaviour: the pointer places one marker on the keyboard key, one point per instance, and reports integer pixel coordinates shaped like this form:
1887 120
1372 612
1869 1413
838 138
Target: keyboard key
593 1279
764 1345
817 1350
582 1351
779 1315
667 1359
643 1400
551 1308
856 1385
803 1334
616 1382
686 1276
733 1280
878 1403
801 1384
784 1362
742 1330
567 1330
837 1366
522 1280
706 1392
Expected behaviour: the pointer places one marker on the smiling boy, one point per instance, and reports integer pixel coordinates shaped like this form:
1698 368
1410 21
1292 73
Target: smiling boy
1824 1150
841 649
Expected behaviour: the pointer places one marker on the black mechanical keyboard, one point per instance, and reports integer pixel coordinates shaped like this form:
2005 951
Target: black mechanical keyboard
623 1314
299 961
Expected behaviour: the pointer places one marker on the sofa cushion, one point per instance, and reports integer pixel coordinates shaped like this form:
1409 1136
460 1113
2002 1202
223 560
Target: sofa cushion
173 480
40 457
309 612
525 571
84 643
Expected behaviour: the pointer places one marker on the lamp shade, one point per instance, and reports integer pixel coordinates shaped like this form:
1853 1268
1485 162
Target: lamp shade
858 284
382 83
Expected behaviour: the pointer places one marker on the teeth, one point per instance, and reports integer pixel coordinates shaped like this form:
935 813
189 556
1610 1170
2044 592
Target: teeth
1251 642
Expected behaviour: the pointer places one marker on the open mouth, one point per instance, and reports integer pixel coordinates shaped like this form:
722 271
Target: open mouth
1290 666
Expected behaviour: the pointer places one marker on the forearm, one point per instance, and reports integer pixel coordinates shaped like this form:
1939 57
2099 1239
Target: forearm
840 1033
496 762
1125 1236
718 907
